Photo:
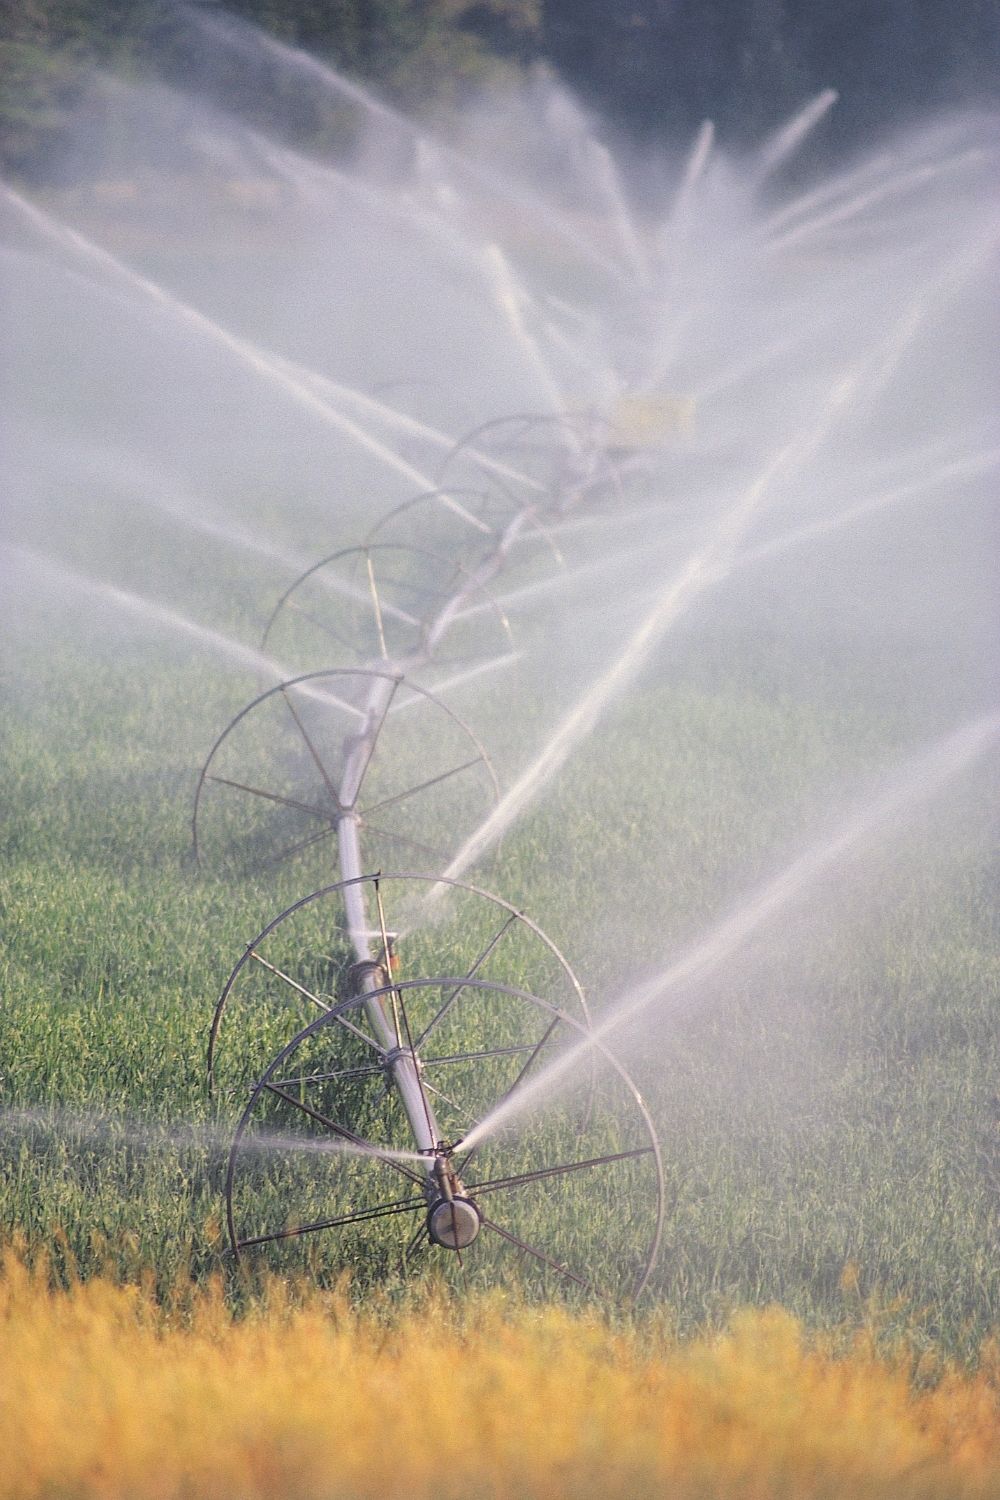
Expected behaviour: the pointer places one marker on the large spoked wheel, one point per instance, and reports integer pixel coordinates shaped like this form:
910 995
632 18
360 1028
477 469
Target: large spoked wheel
559 1189
346 742
299 965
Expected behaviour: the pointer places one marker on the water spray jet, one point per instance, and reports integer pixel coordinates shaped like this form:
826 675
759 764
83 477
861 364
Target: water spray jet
920 779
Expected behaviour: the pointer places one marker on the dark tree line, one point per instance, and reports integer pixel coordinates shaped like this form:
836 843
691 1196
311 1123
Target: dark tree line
659 67
655 67
414 50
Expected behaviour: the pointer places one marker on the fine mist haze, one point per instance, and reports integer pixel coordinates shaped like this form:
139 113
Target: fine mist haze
755 417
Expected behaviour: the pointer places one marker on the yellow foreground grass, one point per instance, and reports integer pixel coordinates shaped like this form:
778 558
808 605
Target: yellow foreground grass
103 1393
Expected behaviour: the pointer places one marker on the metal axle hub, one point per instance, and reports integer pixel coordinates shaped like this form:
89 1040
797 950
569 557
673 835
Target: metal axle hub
453 1219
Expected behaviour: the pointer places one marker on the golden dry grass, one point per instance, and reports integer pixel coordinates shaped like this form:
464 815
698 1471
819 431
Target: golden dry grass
104 1393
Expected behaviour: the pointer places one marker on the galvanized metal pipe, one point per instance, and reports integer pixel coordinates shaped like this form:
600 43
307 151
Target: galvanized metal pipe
401 1064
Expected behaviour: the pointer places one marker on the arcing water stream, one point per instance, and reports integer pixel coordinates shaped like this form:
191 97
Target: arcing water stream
258 360
677 986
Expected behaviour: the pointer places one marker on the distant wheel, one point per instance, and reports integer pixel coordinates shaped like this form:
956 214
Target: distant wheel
559 458
461 521
513 537
385 602
560 1189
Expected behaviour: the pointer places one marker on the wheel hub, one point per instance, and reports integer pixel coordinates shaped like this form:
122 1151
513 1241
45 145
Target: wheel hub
453 1223
453 1219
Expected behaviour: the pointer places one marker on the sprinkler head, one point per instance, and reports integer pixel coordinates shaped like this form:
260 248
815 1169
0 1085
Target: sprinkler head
366 975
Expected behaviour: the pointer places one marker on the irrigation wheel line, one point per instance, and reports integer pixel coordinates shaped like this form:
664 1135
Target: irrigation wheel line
504 925
323 1149
393 1074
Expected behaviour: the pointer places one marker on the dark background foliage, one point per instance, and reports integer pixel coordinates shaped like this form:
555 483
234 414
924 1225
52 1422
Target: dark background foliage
655 68
661 66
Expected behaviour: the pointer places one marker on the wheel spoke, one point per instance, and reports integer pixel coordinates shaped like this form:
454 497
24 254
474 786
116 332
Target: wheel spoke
309 688
536 1049
297 848
424 785
411 586
351 1073
365 1147
520 1179
256 791
550 1028
319 624
349 591
400 838
546 1260
359 1216
457 679
373 735
459 1109
469 974
321 768
300 989
420 1238
315 999
463 1057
